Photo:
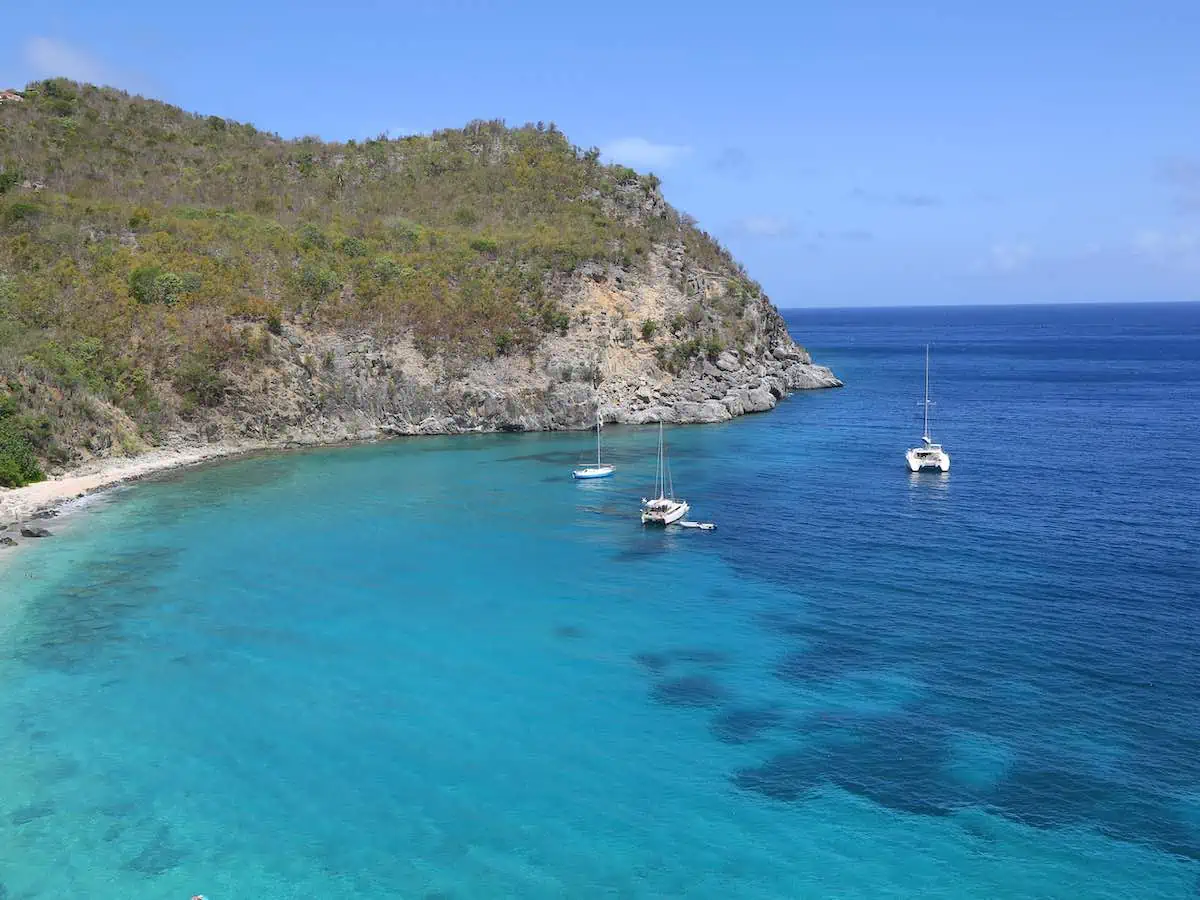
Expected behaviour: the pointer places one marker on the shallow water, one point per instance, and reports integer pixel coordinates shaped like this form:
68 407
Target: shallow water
439 668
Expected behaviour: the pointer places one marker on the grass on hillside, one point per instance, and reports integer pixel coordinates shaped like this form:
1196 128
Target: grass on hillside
143 249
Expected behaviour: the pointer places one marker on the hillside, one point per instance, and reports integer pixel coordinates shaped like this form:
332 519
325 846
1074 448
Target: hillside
170 278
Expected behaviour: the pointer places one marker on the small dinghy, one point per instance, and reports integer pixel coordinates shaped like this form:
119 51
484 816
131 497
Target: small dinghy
703 526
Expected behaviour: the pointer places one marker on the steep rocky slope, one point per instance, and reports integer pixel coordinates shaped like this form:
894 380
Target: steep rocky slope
173 279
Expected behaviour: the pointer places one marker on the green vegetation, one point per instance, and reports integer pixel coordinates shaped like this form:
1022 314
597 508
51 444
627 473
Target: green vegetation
144 251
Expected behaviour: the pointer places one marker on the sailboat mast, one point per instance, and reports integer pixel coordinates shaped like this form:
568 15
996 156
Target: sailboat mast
660 481
926 434
597 436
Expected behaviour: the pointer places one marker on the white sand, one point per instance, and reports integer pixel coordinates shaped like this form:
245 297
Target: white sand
19 503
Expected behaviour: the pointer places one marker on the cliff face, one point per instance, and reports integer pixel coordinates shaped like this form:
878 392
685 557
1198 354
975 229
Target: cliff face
323 385
174 279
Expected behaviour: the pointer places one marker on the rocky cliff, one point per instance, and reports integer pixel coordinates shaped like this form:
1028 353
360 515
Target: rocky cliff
324 385
170 279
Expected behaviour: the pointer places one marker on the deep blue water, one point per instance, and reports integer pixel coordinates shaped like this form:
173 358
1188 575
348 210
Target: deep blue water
439 668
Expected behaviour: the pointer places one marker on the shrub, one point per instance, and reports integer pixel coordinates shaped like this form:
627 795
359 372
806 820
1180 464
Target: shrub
141 283
649 327
555 319
712 346
20 212
9 179
168 287
504 342
274 322
311 237
352 246
198 379
317 281
485 245
18 464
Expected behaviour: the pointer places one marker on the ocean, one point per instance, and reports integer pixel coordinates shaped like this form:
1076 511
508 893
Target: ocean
438 668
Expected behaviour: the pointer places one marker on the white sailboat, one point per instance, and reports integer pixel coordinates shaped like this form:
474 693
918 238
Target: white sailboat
599 470
665 508
929 455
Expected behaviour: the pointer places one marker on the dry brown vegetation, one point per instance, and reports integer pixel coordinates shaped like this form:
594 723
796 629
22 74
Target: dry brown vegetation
139 243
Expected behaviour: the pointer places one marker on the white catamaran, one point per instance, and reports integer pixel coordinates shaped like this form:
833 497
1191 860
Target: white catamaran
663 509
599 470
929 455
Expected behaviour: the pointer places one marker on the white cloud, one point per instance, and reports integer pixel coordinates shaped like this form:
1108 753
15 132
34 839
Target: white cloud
1178 248
48 57
764 226
643 154
1009 257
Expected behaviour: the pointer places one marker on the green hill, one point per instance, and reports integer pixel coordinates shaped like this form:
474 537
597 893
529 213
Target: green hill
150 258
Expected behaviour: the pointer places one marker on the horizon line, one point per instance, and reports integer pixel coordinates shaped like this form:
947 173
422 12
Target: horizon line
1012 305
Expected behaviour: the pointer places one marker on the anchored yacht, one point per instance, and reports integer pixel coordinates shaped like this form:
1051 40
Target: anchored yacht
929 455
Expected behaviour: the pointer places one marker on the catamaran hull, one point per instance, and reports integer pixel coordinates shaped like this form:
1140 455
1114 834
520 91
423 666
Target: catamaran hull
936 462
665 517
592 472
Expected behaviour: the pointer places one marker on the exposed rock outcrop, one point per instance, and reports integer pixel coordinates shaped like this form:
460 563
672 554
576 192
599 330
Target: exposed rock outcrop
608 357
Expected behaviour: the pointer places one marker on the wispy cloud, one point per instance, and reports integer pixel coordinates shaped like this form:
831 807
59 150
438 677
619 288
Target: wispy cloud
910 199
848 236
1008 257
1169 248
46 57
733 162
643 154
1181 175
764 226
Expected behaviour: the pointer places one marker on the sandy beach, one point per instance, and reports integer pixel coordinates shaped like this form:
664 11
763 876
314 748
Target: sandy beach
18 504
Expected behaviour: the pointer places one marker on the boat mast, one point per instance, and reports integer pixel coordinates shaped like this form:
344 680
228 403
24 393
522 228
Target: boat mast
598 423
925 437
659 480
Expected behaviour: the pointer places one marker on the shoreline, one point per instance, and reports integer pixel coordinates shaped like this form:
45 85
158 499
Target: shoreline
18 506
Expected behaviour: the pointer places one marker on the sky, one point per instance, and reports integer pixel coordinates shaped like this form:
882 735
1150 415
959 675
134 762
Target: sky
851 154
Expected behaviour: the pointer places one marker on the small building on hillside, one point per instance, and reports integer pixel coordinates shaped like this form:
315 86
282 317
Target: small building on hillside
7 96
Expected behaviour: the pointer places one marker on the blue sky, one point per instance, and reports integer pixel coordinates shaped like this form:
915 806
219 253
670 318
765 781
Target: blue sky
853 153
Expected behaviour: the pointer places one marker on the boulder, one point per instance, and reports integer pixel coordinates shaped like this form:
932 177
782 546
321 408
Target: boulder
727 362
735 404
759 400
708 411
802 377
31 531
45 514
6 541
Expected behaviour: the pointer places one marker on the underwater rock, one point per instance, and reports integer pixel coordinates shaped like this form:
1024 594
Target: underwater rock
691 690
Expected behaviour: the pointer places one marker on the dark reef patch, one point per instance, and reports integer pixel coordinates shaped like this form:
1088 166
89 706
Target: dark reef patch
652 662
158 856
699 656
30 813
690 690
743 725
568 632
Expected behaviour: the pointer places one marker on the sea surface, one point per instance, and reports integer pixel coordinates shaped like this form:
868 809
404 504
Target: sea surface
438 668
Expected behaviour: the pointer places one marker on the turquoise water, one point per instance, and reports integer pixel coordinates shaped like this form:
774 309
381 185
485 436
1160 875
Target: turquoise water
440 668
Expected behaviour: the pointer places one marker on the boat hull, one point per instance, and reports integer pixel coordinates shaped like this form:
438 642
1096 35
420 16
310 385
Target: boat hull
590 472
665 516
919 460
